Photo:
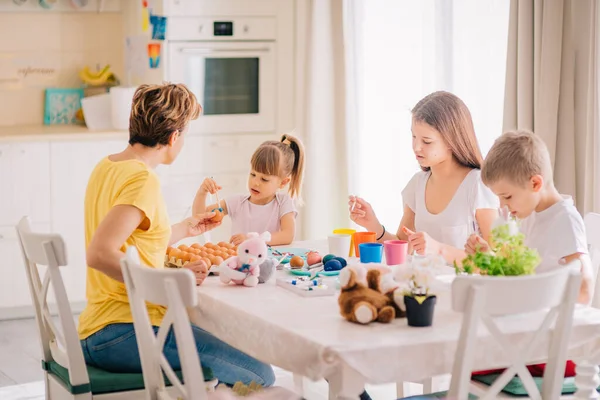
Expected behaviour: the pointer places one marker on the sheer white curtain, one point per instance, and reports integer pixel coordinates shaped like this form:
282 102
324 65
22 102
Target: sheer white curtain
404 50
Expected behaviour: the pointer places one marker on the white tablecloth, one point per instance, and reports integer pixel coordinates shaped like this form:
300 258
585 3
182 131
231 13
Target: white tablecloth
308 336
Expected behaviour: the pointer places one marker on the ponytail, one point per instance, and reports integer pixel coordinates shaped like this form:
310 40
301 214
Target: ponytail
297 171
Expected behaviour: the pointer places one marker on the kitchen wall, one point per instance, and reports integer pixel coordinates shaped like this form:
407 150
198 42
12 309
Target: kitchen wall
47 49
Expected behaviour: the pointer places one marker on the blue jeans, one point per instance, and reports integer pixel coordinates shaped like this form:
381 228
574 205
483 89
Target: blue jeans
114 348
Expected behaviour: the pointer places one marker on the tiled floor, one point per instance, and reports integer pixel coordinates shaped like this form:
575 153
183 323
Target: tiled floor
21 372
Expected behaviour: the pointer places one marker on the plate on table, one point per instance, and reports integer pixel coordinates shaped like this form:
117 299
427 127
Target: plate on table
287 253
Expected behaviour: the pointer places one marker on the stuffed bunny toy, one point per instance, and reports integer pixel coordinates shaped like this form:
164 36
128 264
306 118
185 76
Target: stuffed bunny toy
244 269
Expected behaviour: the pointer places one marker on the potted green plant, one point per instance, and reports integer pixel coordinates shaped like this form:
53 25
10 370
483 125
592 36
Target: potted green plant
415 289
507 255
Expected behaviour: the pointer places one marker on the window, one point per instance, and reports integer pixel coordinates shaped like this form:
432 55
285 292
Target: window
404 50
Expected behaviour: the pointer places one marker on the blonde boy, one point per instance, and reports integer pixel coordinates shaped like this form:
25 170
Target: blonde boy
518 170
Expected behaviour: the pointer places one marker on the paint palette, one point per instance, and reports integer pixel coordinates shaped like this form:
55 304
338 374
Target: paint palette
285 254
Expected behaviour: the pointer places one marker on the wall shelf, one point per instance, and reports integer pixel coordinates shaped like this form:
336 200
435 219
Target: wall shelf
95 6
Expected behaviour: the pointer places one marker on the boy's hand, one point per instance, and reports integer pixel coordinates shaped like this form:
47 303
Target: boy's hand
421 242
209 186
237 239
475 243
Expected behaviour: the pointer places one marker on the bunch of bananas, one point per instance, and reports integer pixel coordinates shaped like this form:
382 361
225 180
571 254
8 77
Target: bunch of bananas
103 77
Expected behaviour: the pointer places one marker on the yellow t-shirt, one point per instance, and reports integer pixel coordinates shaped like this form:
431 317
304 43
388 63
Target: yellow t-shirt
115 183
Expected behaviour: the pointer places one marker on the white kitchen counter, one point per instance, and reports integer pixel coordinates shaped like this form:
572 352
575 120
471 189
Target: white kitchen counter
50 133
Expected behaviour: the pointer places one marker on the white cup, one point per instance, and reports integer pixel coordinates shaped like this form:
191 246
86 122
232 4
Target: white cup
339 244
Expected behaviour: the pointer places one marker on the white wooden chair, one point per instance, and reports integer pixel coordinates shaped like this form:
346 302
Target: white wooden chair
592 228
483 299
175 289
66 375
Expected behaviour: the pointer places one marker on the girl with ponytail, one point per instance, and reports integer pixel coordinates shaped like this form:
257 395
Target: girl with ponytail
274 165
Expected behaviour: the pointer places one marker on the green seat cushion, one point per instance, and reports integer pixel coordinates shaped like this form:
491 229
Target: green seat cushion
433 396
515 386
102 381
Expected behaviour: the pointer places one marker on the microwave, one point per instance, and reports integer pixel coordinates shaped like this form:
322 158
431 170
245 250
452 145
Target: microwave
230 66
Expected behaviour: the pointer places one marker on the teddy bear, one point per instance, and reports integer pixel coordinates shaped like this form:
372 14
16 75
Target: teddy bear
367 295
244 269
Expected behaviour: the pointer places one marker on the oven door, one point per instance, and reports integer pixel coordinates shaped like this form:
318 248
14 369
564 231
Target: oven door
235 83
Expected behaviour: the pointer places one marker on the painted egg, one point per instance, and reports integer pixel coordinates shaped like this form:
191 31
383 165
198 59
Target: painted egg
328 257
313 258
218 215
332 265
342 261
296 262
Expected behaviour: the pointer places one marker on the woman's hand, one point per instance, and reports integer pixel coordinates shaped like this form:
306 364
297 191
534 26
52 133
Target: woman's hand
476 244
200 270
200 223
362 213
209 185
421 242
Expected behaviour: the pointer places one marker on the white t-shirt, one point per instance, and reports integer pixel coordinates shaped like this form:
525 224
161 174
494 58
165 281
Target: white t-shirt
556 232
457 222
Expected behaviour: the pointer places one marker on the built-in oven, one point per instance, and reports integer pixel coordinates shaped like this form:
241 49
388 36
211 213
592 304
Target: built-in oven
231 68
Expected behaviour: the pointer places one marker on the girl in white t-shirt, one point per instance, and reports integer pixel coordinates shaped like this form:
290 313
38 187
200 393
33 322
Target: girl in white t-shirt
446 201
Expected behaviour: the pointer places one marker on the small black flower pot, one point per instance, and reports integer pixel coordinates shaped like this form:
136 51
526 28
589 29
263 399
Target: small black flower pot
419 314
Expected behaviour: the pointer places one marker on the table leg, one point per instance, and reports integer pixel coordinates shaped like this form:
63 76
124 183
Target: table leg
346 384
586 376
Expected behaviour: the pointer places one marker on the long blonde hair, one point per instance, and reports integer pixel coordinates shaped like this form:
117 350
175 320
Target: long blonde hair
449 115
284 158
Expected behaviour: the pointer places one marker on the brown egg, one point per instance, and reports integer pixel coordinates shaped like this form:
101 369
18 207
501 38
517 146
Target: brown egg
209 245
218 216
218 260
195 251
203 253
196 246
170 250
212 260
296 262
182 247
210 251
206 261
222 244
175 253
232 252
186 256
195 258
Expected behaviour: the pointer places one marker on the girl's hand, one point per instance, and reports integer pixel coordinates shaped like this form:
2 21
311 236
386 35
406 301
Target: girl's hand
362 213
237 239
199 224
475 243
200 270
209 186
421 242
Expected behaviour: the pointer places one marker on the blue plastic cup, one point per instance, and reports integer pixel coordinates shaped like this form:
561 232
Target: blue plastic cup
370 252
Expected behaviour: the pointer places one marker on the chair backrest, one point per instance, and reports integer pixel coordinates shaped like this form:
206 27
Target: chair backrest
592 230
485 299
175 289
59 345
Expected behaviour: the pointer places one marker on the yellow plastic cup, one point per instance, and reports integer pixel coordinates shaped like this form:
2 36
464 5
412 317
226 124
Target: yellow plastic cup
351 232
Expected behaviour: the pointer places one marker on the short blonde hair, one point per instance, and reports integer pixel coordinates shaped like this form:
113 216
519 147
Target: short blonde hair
159 110
517 156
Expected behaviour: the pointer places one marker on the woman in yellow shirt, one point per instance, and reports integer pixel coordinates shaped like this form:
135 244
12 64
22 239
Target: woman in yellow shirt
124 206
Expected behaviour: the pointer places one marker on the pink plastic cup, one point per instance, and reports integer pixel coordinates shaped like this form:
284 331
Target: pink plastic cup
395 251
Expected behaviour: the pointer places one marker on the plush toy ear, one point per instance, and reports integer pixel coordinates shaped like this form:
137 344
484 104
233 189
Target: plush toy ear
266 236
252 235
